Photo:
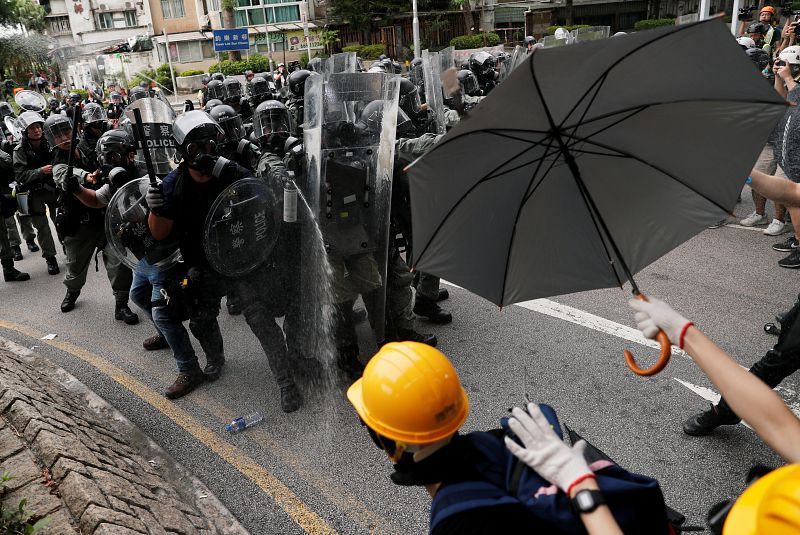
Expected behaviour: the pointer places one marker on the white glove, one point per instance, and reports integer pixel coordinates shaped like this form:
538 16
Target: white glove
655 314
544 452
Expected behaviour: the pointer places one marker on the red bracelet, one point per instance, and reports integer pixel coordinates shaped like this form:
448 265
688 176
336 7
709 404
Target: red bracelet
683 333
581 479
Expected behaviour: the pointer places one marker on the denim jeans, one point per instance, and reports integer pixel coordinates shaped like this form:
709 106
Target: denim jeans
148 281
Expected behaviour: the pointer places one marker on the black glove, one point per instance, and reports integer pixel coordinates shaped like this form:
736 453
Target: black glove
155 200
71 184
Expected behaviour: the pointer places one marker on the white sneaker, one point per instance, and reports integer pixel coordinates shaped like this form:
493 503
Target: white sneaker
776 228
753 219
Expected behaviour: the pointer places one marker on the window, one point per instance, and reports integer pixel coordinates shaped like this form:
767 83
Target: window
59 25
254 15
172 9
105 21
189 51
208 49
130 19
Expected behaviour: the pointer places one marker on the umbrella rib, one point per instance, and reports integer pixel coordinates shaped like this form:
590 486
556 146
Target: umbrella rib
526 164
464 196
657 168
576 176
516 218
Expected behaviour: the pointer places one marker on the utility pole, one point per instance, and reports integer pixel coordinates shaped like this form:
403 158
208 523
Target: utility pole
169 61
415 28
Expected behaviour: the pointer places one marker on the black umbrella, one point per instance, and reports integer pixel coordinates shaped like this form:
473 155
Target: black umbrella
590 162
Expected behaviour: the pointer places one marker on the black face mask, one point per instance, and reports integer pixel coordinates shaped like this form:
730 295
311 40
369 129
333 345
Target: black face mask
201 155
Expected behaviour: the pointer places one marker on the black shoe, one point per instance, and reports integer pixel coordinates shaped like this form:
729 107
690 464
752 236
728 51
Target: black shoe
213 369
410 335
234 309
52 266
719 224
347 361
32 247
124 313
704 423
291 398
69 300
17 253
185 383
12 274
155 343
443 294
792 261
430 310
786 246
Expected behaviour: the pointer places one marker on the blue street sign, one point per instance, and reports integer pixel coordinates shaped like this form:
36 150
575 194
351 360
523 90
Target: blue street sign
231 39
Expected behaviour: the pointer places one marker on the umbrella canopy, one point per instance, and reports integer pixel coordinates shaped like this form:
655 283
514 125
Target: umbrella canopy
590 162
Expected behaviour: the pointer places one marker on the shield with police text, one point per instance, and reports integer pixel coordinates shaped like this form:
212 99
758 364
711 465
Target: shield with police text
242 227
157 119
350 135
127 230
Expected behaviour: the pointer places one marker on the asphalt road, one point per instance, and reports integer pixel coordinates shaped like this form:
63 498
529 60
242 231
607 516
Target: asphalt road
316 470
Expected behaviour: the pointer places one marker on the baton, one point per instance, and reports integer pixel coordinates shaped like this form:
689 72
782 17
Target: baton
70 160
148 161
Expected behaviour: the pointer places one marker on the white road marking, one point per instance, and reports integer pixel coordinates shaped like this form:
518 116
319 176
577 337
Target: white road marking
705 393
754 229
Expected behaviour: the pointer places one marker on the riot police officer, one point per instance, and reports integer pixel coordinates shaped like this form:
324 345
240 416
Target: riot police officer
95 122
33 171
7 209
297 83
482 64
180 209
235 146
83 227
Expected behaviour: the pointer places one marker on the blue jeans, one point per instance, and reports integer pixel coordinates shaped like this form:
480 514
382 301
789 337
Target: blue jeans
148 281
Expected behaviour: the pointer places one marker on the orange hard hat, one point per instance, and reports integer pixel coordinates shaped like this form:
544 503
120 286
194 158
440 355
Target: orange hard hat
410 393
768 9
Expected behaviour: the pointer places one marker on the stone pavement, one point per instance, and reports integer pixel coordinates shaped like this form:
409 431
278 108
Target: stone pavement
79 462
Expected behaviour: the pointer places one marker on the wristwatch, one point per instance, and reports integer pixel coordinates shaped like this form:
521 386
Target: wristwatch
587 500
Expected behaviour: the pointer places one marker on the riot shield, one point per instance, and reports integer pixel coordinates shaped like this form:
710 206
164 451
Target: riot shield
434 97
157 119
342 62
594 33
13 126
127 230
30 101
351 122
95 89
517 57
447 58
242 227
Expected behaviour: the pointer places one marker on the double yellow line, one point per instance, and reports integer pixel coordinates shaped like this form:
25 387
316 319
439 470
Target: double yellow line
292 504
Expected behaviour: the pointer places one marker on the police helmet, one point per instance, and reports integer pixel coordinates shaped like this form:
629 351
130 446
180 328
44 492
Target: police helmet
211 104
759 56
218 76
258 86
94 115
297 82
216 89
58 130
272 123
745 42
28 118
468 82
52 103
6 110
756 27
114 146
315 64
529 40
409 96
205 79
481 63
230 121
196 134
233 89
74 98
137 93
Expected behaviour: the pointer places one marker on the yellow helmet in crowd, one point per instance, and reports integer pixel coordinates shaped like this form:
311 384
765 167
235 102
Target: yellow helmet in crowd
770 505
410 393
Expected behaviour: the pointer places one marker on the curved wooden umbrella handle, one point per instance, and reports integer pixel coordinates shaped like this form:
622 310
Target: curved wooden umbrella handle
663 358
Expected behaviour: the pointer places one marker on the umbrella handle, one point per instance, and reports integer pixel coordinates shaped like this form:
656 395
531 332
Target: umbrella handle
663 358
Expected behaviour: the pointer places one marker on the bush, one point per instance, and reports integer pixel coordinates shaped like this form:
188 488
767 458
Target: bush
353 48
161 75
464 42
552 29
366 51
255 63
649 24
82 92
192 72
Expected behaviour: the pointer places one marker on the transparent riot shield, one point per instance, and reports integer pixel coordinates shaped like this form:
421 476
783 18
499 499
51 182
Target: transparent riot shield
95 89
594 33
343 62
128 233
447 58
550 41
434 97
242 227
351 123
157 119
30 101
13 126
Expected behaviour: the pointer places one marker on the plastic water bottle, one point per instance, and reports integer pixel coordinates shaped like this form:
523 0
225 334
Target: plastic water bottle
243 422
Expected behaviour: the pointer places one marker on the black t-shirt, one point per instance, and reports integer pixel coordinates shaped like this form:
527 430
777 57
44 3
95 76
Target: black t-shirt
501 519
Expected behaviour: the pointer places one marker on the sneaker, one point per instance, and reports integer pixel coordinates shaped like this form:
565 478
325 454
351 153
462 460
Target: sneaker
753 220
32 247
719 224
792 261
185 383
776 228
704 423
17 253
786 246
155 343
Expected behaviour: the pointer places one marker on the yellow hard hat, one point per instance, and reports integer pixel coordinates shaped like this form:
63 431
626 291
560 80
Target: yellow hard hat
770 505
410 393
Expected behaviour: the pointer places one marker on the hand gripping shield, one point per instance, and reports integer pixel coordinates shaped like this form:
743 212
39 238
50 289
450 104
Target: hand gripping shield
242 227
434 95
128 233
350 134
157 119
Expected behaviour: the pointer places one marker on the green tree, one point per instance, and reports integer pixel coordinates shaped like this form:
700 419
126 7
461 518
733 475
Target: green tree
465 6
328 38
356 14
20 54
229 21
25 12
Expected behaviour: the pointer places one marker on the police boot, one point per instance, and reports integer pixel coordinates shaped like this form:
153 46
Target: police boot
233 306
52 266
123 313
442 295
214 365
430 310
347 361
291 398
32 247
410 335
704 423
12 274
69 300
17 253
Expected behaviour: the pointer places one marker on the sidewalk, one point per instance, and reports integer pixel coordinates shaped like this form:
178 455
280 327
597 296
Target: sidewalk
80 463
